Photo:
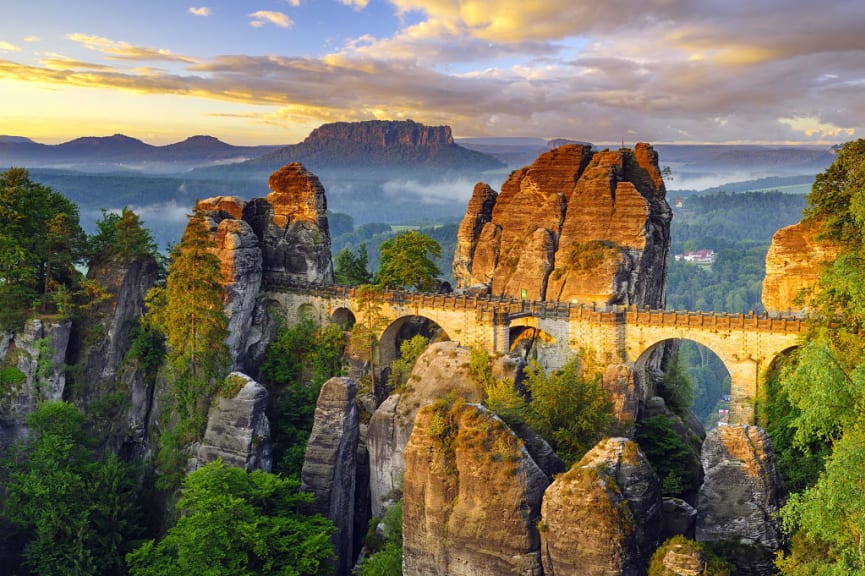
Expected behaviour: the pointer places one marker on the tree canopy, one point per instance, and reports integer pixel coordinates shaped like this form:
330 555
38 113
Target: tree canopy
406 261
350 269
238 523
121 236
41 241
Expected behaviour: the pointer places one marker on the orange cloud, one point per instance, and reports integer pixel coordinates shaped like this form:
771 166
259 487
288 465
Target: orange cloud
263 17
199 11
115 50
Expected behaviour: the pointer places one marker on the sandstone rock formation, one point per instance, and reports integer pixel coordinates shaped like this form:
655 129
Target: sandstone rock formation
238 430
472 496
603 515
330 464
280 238
793 264
442 369
679 517
575 225
741 494
38 353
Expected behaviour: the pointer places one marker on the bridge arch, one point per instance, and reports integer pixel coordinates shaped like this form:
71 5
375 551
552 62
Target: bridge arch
404 328
343 317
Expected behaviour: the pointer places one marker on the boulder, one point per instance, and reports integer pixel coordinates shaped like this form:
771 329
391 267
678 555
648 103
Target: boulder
330 465
603 515
238 430
794 263
575 225
472 496
679 517
441 369
740 497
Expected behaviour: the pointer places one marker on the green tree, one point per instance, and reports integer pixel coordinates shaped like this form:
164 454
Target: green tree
236 523
406 261
81 515
189 311
121 236
385 557
40 244
569 408
371 322
350 269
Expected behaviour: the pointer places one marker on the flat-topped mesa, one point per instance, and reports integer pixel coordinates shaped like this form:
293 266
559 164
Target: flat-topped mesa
383 133
794 263
575 225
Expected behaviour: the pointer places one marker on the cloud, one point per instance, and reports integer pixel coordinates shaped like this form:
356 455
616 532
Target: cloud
32 39
8 47
115 50
59 62
358 4
199 11
294 3
263 17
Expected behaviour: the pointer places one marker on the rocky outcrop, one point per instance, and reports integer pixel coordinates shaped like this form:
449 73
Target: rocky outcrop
603 515
740 497
330 464
441 370
679 518
624 391
794 263
472 496
238 430
278 239
575 225
33 364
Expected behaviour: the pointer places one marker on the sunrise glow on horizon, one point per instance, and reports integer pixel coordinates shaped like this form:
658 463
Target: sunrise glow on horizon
270 71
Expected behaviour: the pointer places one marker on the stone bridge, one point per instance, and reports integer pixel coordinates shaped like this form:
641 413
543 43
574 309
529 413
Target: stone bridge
746 344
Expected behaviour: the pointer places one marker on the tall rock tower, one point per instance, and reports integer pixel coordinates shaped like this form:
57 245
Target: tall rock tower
576 225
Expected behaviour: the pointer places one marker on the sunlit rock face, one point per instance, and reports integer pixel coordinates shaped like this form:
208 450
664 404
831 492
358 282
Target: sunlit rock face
575 225
794 263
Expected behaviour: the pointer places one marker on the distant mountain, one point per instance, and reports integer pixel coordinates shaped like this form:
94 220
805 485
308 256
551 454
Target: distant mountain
515 152
379 144
120 152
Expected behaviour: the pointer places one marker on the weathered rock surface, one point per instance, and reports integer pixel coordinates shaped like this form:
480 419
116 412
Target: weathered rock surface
238 430
603 515
439 371
575 225
684 560
679 517
794 263
472 496
741 494
330 464
39 353
281 238
624 392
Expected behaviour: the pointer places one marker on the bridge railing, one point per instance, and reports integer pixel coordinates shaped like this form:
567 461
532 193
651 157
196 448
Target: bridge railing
516 308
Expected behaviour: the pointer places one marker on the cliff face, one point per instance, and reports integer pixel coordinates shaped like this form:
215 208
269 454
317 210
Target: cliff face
472 496
281 238
575 225
793 264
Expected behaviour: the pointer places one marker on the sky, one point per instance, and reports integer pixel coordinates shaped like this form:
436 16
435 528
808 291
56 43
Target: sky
270 71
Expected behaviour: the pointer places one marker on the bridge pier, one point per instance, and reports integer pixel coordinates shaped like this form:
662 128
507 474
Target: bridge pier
744 384
501 332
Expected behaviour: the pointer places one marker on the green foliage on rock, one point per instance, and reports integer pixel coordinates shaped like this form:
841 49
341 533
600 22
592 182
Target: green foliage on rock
385 554
80 514
40 244
400 369
122 237
301 359
569 408
668 454
683 547
236 523
825 385
406 261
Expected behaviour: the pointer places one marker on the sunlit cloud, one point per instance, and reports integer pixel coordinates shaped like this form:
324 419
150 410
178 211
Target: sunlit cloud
813 126
263 17
60 62
294 3
8 47
115 50
32 39
199 11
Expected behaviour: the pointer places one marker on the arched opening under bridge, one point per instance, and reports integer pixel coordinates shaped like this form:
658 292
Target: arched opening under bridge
344 318
405 328
531 342
687 374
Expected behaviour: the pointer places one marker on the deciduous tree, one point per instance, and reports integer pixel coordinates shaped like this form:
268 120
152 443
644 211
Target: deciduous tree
406 261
